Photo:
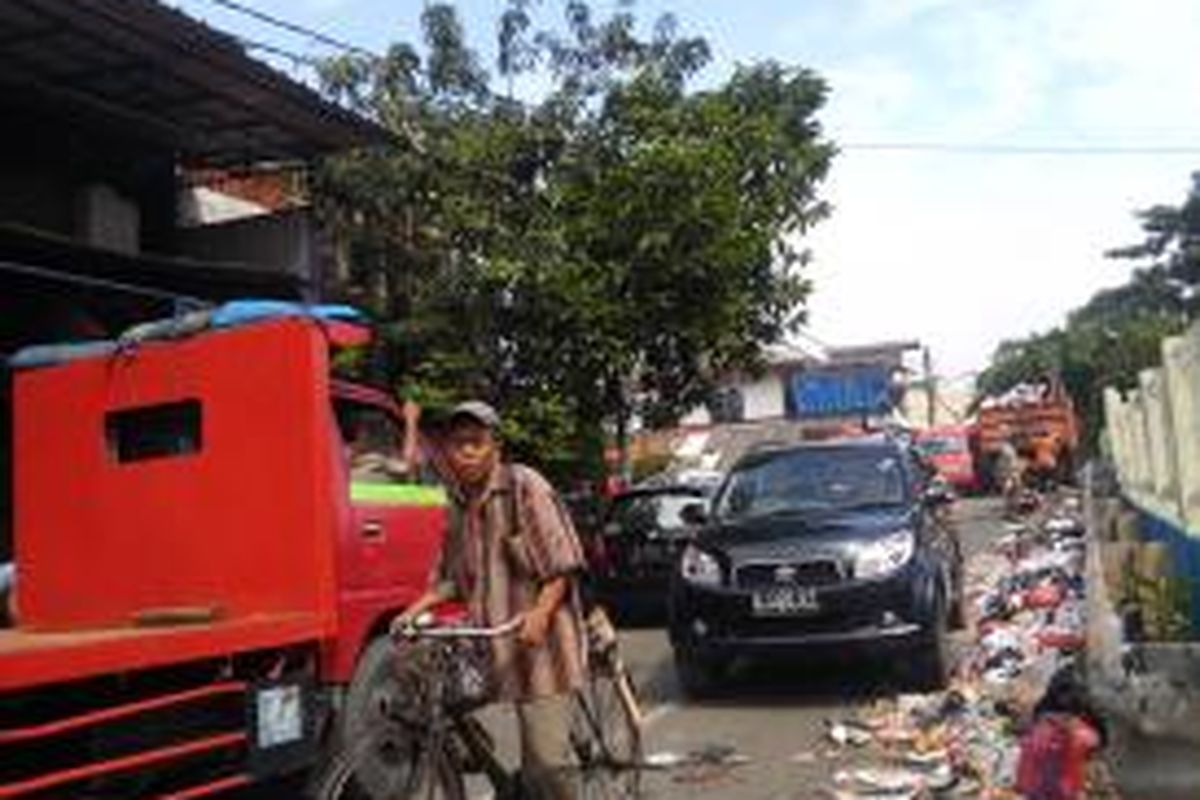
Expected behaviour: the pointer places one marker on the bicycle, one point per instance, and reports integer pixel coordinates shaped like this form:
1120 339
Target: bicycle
427 739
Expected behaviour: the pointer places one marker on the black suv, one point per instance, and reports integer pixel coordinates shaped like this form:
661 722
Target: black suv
836 545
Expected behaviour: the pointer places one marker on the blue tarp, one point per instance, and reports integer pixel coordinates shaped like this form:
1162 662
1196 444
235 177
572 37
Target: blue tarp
841 392
231 314
240 312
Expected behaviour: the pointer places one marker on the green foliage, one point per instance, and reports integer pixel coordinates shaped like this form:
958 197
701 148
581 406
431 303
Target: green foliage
604 252
1119 331
651 464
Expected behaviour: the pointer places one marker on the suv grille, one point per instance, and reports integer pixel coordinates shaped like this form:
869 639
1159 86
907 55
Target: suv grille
798 573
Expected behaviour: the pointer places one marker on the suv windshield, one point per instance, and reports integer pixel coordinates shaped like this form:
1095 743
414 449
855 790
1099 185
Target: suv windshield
818 478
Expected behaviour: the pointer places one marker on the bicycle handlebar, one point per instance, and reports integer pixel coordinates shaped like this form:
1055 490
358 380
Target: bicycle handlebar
455 632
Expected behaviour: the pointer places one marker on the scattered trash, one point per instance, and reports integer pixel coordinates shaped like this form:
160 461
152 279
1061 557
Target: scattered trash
707 764
804 757
711 754
664 760
1013 723
844 734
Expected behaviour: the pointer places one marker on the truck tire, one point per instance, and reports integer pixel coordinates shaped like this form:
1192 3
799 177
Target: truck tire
375 697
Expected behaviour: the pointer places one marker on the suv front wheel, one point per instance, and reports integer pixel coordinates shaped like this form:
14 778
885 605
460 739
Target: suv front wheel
699 676
929 662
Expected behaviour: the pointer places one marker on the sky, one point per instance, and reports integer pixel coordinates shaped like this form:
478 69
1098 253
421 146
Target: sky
959 249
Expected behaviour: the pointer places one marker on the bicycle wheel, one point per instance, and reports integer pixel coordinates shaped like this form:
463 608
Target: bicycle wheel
427 775
606 739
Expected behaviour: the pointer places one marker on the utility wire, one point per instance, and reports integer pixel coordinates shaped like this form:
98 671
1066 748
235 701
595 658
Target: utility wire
315 35
969 148
953 148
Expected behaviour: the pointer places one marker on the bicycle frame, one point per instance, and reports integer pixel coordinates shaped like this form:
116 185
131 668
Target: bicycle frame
443 743
445 723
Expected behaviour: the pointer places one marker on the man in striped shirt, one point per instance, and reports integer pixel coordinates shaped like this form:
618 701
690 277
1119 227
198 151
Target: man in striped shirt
510 550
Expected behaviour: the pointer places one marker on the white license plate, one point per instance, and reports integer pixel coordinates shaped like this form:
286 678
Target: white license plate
785 600
280 716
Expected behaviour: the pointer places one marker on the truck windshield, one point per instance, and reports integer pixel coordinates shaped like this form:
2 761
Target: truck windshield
813 479
942 445
373 442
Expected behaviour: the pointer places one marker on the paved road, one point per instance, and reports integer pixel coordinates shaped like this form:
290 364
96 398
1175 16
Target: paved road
774 714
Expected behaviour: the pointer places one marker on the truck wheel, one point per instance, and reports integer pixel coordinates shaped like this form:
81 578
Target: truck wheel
373 720
698 676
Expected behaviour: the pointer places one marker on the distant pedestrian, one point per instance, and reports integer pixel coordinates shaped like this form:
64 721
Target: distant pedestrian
1045 460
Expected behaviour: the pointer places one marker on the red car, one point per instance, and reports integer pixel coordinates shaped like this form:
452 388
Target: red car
948 448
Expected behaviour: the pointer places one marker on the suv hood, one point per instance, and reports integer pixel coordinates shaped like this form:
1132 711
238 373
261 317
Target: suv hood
803 535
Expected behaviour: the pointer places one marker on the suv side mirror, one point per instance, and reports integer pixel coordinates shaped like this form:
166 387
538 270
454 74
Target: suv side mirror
694 513
938 494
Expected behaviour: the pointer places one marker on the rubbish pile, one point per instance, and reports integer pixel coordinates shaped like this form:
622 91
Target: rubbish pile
1023 394
1015 720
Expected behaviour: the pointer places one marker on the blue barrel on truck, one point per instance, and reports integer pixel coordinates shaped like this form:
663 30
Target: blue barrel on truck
841 392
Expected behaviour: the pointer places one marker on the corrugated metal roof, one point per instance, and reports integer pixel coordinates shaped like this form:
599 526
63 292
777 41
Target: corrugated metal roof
154 73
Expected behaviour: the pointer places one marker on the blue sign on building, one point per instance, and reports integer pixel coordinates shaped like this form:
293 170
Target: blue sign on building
841 392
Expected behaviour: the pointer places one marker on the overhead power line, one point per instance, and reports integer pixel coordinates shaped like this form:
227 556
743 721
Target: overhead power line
927 146
980 148
293 27
89 281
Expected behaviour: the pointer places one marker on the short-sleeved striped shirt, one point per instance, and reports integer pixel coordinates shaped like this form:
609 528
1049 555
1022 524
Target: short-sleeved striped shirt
498 564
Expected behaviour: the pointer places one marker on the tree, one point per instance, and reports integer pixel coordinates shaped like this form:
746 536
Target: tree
1119 331
1172 246
604 252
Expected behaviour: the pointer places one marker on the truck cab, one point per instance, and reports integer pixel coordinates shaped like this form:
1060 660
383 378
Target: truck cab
392 529
200 571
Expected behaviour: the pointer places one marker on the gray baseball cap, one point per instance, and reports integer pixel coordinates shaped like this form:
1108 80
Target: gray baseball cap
477 410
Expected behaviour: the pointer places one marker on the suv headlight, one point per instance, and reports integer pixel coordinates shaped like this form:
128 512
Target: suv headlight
699 568
884 556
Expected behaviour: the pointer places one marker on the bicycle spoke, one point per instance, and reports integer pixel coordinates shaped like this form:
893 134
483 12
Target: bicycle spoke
606 742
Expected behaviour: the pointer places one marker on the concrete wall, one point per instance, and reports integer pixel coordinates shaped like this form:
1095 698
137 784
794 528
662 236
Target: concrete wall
762 399
1153 435
283 242
951 406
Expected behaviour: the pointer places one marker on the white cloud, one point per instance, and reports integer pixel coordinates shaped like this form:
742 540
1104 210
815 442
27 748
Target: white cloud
871 94
966 250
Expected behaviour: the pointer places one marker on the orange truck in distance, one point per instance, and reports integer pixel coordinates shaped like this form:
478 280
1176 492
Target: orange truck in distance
1039 420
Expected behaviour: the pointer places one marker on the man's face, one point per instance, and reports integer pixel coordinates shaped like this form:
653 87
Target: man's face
472 451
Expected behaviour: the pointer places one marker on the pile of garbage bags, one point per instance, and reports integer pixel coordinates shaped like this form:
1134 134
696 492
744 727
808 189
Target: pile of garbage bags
1015 721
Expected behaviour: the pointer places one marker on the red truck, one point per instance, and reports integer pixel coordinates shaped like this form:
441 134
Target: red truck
948 449
200 582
